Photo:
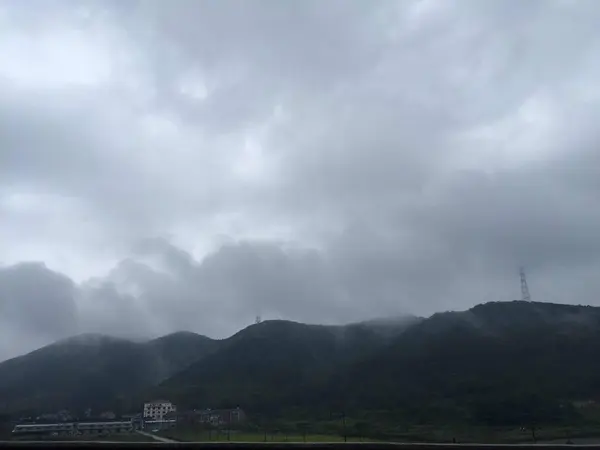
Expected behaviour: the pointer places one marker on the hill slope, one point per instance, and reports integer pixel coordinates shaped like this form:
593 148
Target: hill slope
92 369
496 363
265 366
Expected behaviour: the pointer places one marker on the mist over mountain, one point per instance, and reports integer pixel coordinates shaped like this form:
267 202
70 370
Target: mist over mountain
497 363
189 165
93 370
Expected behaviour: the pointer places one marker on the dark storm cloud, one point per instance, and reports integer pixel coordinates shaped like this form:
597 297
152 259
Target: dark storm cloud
317 161
36 306
163 289
228 288
44 299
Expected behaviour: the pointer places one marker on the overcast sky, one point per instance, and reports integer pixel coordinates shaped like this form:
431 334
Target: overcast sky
169 165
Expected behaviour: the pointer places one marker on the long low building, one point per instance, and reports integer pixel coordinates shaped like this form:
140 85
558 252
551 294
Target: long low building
44 428
99 427
70 428
160 424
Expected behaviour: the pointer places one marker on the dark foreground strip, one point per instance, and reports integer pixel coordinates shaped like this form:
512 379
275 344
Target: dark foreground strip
274 445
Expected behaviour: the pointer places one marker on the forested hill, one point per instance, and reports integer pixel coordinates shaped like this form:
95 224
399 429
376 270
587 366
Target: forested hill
266 365
500 363
497 363
92 370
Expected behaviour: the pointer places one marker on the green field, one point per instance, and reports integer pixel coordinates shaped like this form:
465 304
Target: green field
491 435
132 437
234 436
409 434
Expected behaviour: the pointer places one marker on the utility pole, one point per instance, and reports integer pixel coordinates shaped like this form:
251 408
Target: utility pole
524 288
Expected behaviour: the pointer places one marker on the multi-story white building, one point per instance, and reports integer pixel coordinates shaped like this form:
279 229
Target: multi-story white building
157 409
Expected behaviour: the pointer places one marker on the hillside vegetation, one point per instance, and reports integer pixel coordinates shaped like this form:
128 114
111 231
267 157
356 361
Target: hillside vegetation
500 364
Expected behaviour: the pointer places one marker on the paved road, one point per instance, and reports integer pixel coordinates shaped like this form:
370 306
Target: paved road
155 437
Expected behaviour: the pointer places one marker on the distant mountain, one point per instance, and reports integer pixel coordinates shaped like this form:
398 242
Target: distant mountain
511 363
176 351
266 365
98 370
498 363
91 369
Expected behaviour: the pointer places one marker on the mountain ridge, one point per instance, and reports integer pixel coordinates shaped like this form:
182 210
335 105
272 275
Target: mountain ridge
484 364
91 368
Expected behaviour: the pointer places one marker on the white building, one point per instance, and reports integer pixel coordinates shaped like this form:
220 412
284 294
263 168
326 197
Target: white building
157 409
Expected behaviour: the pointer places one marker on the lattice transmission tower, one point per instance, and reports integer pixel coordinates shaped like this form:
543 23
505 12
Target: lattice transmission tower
525 296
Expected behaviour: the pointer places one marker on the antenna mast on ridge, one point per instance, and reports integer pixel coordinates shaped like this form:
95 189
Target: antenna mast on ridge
524 288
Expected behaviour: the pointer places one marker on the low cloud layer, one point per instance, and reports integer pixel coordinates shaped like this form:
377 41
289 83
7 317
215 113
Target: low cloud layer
190 165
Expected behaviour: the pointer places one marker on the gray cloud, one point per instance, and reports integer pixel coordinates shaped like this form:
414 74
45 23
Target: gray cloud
36 306
189 165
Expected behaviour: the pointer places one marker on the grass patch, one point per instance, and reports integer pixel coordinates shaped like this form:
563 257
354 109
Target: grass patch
130 437
236 436
396 433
